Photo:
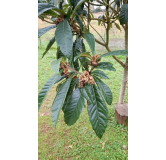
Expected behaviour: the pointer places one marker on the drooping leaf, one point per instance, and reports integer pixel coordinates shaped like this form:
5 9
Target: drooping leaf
69 93
46 87
105 66
117 26
105 90
115 53
42 7
85 91
100 73
74 107
85 54
91 41
59 100
49 46
117 2
68 14
50 13
123 14
99 21
59 78
64 38
55 65
98 113
78 6
44 30
77 19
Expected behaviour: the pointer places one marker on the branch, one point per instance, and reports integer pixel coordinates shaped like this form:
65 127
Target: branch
95 4
88 15
98 33
99 42
72 69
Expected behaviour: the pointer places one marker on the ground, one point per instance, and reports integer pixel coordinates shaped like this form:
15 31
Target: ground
79 140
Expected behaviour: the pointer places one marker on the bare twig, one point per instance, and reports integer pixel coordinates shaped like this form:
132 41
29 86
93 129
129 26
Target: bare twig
103 44
97 33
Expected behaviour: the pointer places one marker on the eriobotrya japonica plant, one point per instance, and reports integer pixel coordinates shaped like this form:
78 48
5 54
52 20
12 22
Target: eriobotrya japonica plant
78 73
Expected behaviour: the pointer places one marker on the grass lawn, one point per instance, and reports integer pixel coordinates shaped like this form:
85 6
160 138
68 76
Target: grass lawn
78 141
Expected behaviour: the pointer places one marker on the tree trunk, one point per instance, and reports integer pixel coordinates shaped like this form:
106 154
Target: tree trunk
125 71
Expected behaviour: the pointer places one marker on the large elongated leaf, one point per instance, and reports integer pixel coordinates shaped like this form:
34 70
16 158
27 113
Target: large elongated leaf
46 87
59 78
98 113
86 93
105 90
74 107
100 73
49 46
55 65
64 38
105 66
69 93
59 100
91 41
123 14
44 30
42 7
115 53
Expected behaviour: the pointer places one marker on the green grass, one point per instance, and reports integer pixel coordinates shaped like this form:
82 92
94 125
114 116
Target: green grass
79 141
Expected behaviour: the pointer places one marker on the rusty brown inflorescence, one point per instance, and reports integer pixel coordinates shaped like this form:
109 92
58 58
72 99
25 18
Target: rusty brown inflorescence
65 70
73 26
58 19
74 77
94 61
84 78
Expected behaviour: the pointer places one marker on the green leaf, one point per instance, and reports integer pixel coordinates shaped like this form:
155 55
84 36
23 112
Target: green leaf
50 13
64 38
68 14
123 14
49 46
98 113
115 53
74 108
117 26
78 8
42 7
59 54
105 66
44 30
100 73
59 78
77 19
91 41
86 93
85 54
46 87
117 2
69 93
105 90
59 100
55 65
